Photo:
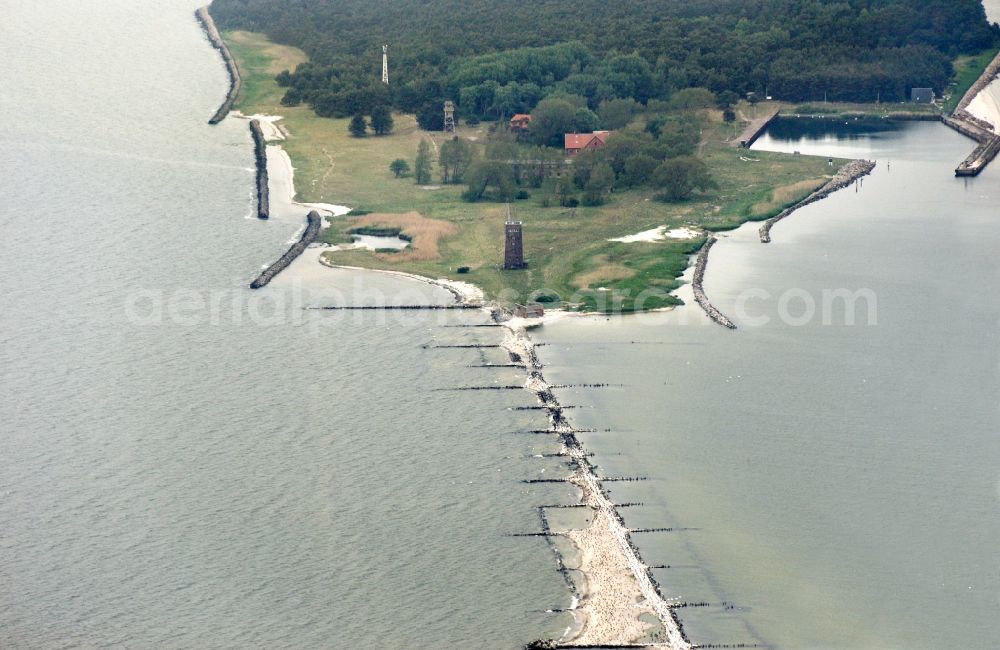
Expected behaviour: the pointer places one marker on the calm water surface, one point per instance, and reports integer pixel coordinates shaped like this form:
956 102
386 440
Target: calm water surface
241 473
843 482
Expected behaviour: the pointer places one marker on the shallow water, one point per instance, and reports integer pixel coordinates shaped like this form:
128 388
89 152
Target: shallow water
841 480
186 464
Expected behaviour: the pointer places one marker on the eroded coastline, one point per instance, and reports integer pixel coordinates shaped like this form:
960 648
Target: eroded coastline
235 81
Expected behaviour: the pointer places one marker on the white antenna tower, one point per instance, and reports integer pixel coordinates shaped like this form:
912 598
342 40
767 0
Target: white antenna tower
385 64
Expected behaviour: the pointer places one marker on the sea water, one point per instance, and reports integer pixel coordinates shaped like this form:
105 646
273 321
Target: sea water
835 462
187 464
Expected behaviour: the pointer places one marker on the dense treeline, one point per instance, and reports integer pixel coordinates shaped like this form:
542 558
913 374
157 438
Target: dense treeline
497 58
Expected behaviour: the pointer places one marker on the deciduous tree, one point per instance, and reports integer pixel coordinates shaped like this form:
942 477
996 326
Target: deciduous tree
399 167
680 177
422 165
454 159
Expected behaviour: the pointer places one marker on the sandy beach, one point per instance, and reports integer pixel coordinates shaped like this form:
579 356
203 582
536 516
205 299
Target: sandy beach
617 589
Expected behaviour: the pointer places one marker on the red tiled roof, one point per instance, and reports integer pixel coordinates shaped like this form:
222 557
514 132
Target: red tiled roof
581 140
521 117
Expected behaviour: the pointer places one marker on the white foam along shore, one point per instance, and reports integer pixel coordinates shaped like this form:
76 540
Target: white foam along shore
618 586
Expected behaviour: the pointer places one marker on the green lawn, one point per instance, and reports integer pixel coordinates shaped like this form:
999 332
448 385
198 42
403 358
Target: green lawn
967 70
567 249
898 110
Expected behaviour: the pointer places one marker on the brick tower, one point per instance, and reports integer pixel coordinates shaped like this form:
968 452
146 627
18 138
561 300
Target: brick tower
513 252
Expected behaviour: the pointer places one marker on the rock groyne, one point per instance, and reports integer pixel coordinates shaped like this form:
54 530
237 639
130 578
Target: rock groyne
846 175
235 81
260 158
697 282
315 222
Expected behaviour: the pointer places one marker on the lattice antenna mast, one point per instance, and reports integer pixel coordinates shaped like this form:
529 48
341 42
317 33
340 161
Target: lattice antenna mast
449 116
385 64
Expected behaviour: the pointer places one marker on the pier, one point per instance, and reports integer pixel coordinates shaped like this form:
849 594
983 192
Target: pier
981 132
755 128
980 157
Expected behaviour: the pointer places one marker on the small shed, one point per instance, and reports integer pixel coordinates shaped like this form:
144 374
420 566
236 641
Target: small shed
531 310
922 95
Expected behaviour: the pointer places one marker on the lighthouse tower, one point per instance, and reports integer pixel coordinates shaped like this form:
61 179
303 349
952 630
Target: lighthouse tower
385 64
513 250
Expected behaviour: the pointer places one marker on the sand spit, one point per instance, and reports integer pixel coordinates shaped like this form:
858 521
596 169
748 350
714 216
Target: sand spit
846 175
235 82
619 587
464 292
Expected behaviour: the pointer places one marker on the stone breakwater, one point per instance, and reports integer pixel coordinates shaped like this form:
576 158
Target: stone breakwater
315 222
619 586
979 130
846 175
701 263
235 81
260 158
970 127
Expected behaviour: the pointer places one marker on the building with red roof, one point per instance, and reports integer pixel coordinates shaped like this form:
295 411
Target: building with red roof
520 122
577 142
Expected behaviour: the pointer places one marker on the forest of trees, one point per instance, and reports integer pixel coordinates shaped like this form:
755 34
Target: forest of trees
497 58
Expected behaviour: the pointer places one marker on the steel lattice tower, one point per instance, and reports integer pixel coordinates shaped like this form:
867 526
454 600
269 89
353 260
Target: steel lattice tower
449 116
